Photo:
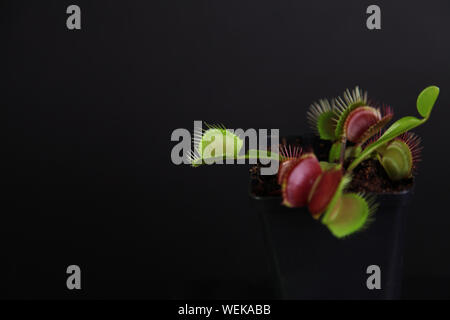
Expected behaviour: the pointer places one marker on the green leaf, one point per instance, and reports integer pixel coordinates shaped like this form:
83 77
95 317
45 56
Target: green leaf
426 100
400 126
326 125
326 165
352 152
335 152
251 154
260 154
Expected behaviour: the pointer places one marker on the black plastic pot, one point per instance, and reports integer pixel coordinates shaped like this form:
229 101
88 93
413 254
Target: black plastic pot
308 262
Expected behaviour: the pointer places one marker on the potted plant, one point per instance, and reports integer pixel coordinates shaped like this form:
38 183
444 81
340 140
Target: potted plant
334 212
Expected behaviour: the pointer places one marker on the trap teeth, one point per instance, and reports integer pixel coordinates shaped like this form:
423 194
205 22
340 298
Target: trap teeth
289 152
399 158
289 157
322 118
285 167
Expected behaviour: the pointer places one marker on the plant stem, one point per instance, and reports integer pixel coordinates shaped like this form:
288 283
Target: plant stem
251 154
343 145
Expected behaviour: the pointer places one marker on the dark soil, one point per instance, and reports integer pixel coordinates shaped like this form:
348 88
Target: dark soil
264 186
368 177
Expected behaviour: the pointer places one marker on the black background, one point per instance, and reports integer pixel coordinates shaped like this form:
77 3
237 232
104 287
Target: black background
87 118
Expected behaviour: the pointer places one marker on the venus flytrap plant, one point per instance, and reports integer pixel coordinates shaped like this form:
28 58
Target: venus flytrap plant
425 103
217 143
354 121
357 121
347 119
399 157
322 186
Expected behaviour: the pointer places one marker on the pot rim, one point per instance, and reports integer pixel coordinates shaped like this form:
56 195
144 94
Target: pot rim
398 193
